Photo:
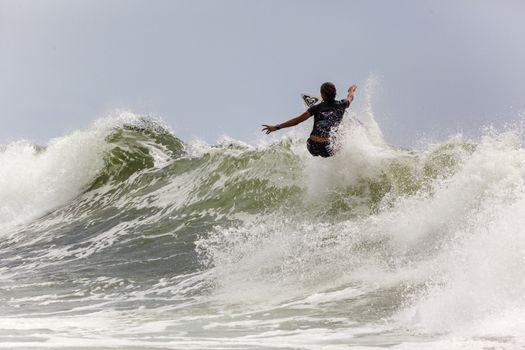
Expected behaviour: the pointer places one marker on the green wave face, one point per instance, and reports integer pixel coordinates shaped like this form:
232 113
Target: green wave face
132 146
231 178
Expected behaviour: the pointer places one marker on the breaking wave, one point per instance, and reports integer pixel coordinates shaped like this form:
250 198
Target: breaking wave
133 235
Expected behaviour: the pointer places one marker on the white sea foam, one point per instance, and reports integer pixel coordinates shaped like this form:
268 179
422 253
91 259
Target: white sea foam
35 179
459 243
33 182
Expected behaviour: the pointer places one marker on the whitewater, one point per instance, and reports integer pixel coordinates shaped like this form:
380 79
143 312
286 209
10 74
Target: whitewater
122 236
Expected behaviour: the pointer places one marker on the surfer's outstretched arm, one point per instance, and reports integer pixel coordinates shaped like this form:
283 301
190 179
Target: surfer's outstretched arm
287 124
351 91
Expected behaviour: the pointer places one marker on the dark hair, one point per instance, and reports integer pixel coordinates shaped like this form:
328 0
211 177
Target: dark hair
328 91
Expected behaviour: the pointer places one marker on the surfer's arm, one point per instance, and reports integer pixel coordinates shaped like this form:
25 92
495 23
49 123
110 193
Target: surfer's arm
287 124
351 91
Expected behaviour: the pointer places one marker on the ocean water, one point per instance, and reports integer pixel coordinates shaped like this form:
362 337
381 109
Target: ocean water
122 236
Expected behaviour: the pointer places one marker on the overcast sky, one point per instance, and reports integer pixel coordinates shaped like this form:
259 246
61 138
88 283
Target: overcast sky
218 67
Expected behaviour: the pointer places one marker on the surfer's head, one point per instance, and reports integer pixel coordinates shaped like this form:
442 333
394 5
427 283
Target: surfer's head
328 91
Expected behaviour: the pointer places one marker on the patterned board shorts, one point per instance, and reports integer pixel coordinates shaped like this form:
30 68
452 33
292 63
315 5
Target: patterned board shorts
322 149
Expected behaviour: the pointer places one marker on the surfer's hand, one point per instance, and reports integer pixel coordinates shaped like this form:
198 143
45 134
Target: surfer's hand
269 128
351 91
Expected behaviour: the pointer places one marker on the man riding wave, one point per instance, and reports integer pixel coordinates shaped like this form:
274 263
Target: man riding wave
327 116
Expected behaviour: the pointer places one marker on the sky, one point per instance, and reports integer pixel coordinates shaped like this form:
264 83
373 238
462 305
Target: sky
224 67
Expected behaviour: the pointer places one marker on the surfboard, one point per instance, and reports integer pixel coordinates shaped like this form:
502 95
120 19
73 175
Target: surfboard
310 100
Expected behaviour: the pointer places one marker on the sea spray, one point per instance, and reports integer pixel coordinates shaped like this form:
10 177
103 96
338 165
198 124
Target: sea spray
34 180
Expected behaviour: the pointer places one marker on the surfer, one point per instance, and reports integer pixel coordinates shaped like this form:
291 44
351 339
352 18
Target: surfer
327 115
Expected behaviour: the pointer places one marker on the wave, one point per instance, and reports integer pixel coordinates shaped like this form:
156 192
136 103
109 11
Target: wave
433 235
